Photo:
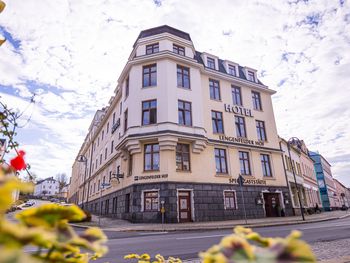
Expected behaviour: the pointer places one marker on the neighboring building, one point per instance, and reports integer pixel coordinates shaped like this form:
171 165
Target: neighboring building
325 181
64 192
343 194
311 190
180 129
302 164
46 187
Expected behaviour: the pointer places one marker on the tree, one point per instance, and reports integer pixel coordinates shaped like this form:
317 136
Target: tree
62 181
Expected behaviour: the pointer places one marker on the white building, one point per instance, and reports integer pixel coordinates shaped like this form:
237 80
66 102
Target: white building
46 187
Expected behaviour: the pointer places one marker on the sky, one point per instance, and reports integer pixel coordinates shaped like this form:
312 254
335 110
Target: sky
70 54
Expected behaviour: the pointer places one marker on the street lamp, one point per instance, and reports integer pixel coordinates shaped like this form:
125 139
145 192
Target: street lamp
114 180
297 142
83 159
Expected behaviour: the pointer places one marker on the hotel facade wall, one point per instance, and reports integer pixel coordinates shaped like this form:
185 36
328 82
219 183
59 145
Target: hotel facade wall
121 149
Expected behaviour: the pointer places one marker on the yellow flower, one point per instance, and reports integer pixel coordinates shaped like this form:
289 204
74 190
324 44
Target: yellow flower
145 257
131 256
49 215
160 258
241 230
236 244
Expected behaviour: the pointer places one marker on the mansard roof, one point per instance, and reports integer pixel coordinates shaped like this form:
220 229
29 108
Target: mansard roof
163 29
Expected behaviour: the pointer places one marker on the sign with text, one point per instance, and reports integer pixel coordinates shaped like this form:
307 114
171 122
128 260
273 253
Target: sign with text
238 110
248 181
240 140
150 177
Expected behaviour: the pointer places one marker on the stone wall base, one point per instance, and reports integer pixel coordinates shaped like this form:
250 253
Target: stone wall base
207 201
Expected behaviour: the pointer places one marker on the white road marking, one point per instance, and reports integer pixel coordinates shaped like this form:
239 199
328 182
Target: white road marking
153 233
198 237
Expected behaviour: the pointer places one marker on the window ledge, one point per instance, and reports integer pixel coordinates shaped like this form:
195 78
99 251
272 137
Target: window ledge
150 171
224 175
151 124
269 178
180 87
183 171
146 87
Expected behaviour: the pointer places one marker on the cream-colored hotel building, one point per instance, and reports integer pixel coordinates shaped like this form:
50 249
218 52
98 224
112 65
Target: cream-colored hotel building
180 129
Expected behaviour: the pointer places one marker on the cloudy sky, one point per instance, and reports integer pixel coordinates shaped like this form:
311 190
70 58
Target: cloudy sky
70 54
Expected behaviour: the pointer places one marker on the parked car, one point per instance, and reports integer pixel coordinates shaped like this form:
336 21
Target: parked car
29 203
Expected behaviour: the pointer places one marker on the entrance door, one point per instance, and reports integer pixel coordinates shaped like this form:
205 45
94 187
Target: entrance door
185 206
272 204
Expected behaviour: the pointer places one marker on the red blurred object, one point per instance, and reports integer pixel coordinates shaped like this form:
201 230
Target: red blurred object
18 162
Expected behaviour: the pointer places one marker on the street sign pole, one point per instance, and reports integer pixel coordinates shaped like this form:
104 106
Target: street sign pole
240 182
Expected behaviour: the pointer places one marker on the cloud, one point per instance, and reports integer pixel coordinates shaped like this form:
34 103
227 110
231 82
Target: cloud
70 53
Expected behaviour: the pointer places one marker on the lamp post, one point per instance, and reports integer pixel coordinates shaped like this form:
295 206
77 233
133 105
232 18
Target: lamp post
296 141
83 159
114 180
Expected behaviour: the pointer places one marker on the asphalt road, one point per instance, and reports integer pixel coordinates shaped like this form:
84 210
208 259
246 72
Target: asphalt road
186 245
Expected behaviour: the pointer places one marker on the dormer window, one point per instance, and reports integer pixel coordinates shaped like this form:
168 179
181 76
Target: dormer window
251 76
153 48
178 49
210 63
232 70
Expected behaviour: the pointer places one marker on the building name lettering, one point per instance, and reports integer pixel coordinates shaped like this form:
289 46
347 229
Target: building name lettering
238 110
149 177
248 181
240 140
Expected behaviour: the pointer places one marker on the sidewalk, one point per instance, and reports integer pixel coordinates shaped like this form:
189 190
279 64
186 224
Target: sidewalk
109 224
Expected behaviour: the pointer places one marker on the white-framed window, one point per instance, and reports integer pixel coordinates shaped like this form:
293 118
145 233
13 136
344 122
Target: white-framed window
210 62
251 75
230 199
232 70
150 200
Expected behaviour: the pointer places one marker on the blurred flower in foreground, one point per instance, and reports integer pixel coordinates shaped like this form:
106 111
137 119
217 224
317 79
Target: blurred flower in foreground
18 162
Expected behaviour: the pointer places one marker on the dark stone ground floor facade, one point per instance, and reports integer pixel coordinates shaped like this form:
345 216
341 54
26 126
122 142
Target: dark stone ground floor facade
206 202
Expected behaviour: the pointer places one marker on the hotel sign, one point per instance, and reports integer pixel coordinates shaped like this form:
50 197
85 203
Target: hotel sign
150 177
240 140
238 110
248 181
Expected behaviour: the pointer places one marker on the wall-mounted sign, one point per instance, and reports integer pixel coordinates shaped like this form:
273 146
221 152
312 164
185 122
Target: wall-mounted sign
248 181
150 177
238 110
240 140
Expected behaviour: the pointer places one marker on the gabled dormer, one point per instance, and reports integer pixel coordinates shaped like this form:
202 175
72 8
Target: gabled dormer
210 61
231 68
251 74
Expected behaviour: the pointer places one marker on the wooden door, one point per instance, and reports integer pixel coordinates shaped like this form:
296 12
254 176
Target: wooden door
184 206
272 204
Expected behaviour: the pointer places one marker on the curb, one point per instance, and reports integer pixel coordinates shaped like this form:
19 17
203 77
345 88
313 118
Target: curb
196 228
